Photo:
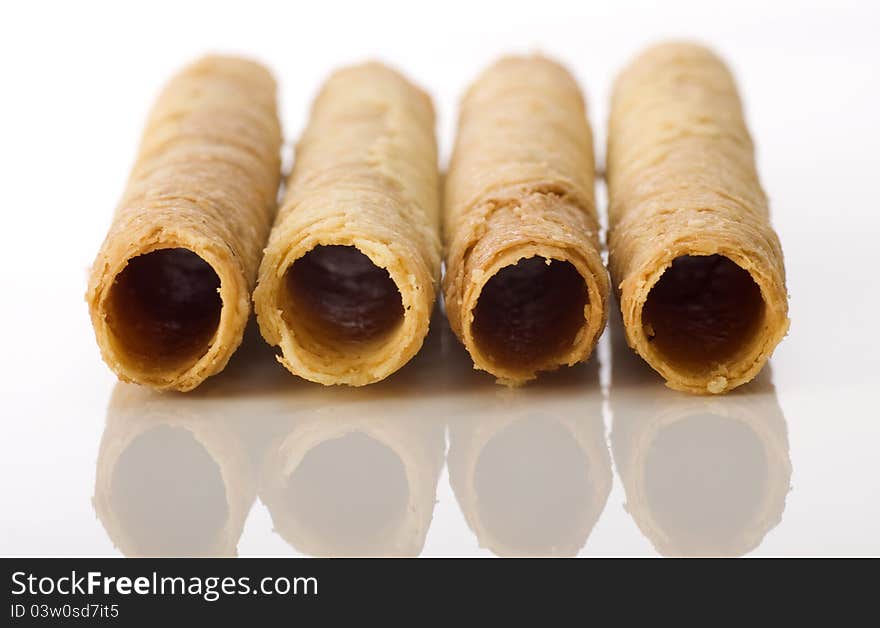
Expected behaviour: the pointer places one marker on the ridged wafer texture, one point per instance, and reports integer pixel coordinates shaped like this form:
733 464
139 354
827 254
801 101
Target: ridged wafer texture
169 291
347 283
697 266
525 287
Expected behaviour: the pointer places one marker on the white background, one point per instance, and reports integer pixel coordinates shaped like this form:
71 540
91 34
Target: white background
77 81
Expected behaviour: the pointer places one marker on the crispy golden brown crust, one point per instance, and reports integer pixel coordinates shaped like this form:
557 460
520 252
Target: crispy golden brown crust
205 180
365 177
682 183
519 186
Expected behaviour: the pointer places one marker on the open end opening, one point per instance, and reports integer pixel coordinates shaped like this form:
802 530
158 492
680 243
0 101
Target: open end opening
533 487
168 494
706 477
336 295
164 308
703 310
351 491
530 312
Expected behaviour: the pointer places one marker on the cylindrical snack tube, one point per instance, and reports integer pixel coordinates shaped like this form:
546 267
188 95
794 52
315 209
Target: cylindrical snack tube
697 266
347 283
525 287
173 475
169 292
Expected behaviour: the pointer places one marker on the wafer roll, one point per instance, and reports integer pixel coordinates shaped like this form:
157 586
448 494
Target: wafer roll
525 287
697 266
169 292
347 283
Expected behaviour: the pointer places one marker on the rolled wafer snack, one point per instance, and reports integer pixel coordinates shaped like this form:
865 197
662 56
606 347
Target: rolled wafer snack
169 292
347 283
697 266
525 287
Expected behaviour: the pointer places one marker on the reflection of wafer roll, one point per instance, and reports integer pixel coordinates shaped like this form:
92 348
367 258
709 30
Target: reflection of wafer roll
525 287
346 286
173 478
533 475
698 267
702 476
169 291
356 479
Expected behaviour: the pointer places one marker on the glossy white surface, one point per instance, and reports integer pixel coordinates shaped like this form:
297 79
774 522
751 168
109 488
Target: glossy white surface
595 460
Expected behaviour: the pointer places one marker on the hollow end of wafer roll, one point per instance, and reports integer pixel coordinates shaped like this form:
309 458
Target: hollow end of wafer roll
706 320
170 312
525 287
347 281
169 290
535 308
697 264
349 311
